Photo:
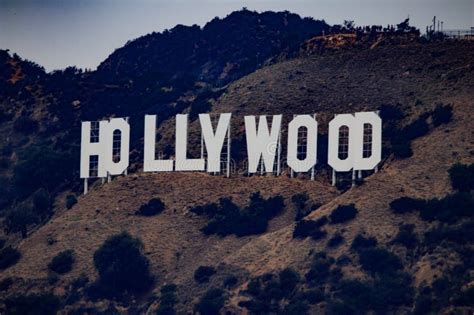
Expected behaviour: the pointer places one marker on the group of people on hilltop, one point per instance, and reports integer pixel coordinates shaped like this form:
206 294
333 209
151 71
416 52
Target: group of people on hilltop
403 27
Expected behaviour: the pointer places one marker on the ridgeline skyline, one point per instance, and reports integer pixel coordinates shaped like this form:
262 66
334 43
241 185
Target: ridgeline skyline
57 34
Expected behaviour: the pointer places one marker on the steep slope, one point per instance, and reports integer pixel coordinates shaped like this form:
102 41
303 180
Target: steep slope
414 77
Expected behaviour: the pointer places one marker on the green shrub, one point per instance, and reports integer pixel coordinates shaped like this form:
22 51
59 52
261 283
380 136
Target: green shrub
320 269
343 213
153 207
402 149
416 129
442 115
62 262
25 125
300 201
230 281
5 284
211 303
379 261
288 279
8 257
305 228
462 234
406 204
32 304
406 236
19 218
204 273
313 296
53 278
71 200
448 209
462 177
295 308
42 203
122 267
336 240
168 300
391 113
384 294
227 218
361 242
41 167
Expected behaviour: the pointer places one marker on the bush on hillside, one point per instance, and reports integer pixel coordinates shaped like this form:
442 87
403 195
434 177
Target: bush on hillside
268 290
343 213
25 124
122 268
406 236
380 296
462 177
8 257
295 308
402 149
336 240
442 114
152 207
320 270
288 280
32 304
211 303
461 234
5 284
168 300
310 228
361 242
204 273
71 200
391 113
230 281
406 204
401 139
19 218
62 262
227 218
41 167
42 203
418 128
448 209
300 201
379 261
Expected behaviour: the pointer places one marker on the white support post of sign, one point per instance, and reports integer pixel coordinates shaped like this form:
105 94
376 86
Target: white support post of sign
334 178
313 168
202 145
292 173
376 169
228 151
261 165
359 175
278 171
86 186
353 177
109 178
102 180
126 170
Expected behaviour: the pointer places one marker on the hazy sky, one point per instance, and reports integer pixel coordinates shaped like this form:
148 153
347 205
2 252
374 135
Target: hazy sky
61 33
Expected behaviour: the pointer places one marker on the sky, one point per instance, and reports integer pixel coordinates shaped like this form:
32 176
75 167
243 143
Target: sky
61 33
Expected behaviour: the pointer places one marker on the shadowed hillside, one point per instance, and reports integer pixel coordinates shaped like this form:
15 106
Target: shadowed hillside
400 241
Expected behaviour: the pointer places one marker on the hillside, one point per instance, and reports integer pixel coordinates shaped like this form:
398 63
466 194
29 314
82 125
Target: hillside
414 260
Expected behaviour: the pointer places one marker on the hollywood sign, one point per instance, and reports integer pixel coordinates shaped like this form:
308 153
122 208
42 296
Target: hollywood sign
355 143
